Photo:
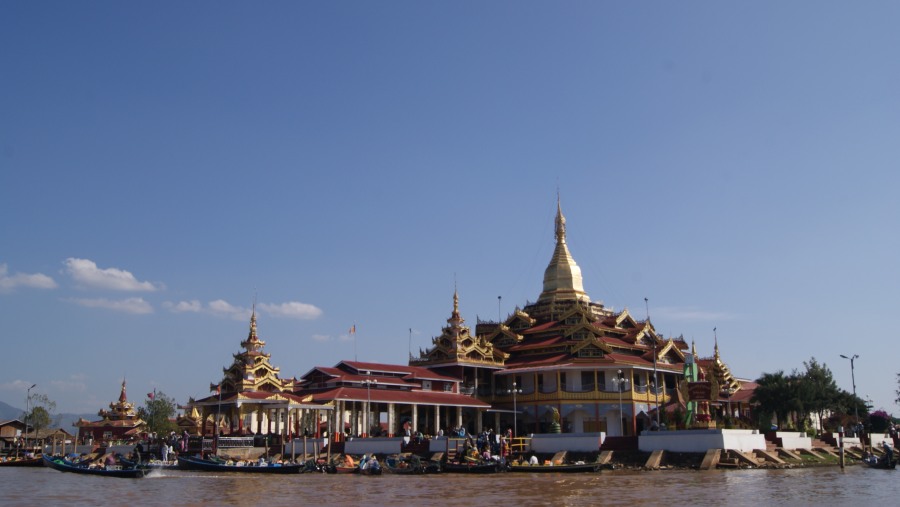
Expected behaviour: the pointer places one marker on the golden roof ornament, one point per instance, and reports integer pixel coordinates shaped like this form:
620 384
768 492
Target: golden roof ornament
562 278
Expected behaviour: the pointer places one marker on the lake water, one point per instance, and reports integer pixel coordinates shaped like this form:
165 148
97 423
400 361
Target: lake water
855 485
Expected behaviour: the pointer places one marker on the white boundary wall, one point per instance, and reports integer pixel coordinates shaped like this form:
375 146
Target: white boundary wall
794 440
700 441
576 442
380 445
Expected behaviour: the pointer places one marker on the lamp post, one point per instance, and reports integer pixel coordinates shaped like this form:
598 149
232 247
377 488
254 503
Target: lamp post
621 382
514 391
853 378
368 383
27 409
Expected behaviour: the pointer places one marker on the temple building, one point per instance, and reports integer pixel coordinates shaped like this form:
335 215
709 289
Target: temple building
119 423
599 369
251 399
373 399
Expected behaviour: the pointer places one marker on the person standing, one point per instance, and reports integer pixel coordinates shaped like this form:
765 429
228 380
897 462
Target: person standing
164 450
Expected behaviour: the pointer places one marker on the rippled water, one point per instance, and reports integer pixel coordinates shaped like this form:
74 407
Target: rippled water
811 486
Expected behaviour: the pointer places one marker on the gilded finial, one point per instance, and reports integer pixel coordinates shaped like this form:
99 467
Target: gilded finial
716 342
560 222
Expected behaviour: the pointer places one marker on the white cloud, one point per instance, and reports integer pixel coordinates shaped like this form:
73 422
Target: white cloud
16 385
292 309
223 308
321 337
192 306
690 314
86 273
75 383
33 281
131 305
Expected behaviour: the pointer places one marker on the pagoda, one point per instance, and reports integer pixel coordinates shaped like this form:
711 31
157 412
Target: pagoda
564 357
119 423
251 397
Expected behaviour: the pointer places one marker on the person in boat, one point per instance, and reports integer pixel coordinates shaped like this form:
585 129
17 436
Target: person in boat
533 460
888 452
110 460
138 450
373 464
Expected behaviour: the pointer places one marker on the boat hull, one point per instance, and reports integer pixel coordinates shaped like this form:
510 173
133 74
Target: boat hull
29 462
472 468
554 469
67 466
211 466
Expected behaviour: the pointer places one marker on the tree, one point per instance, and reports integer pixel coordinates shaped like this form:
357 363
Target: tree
157 413
819 390
41 408
772 395
897 401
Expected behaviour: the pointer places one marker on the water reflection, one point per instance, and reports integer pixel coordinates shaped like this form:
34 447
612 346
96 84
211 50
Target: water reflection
819 486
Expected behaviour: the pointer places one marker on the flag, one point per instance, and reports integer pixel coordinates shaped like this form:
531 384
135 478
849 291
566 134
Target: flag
151 395
353 329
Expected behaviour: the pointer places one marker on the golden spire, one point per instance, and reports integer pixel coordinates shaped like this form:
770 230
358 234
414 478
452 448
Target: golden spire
122 397
560 222
562 278
716 341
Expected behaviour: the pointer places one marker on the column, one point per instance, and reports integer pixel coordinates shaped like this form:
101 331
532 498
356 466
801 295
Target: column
479 424
459 416
392 419
415 418
437 419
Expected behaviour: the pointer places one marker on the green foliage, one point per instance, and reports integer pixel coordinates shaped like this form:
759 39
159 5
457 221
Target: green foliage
41 408
792 398
157 414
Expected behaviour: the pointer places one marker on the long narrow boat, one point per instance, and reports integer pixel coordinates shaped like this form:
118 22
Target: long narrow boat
555 469
23 462
205 465
58 463
468 467
882 463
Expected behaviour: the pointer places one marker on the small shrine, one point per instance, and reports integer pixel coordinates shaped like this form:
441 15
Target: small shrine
251 399
119 423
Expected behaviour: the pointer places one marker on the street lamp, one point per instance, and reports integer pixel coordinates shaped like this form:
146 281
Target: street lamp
514 391
853 377
368 383
621 383
27 409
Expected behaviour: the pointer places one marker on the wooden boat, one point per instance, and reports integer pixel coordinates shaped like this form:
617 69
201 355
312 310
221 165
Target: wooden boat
882 463
403 467
556 469
61 464
209 465
472 467
23 462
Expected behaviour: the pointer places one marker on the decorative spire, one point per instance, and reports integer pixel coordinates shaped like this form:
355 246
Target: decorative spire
122 397
716 341
560 222
562 278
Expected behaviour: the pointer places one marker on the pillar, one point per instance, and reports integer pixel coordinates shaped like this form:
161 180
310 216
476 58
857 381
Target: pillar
437 419
415 417
392 419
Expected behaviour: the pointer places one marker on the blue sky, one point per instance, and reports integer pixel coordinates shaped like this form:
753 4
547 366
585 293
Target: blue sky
162 165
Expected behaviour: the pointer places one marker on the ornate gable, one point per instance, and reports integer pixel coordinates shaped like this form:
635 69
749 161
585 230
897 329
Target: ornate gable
457 345
592 348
